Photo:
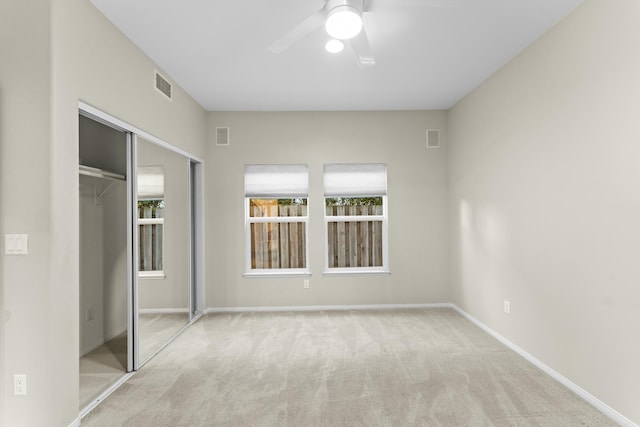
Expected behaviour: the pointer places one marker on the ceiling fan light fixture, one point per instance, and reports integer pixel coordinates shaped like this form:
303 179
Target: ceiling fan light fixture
334 46
344 22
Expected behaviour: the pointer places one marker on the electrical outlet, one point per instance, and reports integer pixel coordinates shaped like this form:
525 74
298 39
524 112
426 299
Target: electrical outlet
507 307
90 314
306 283
20 385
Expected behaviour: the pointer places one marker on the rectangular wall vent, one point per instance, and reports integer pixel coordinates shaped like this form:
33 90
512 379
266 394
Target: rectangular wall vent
433 138
222 136
163 86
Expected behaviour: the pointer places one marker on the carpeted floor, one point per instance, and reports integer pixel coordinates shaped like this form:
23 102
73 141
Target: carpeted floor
422 367
156 329
102 367
107 364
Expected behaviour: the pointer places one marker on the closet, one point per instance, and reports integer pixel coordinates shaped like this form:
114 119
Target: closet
141 275
104 335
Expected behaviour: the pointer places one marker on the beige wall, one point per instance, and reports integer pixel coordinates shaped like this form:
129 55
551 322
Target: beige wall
545 206
55 53
103 262
418 222
115 302
26 330
91 266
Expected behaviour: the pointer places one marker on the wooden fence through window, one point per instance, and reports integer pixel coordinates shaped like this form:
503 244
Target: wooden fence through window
278 244
356 243
150 238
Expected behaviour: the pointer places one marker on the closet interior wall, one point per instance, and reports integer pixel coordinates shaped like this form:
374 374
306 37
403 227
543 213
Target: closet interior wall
103 237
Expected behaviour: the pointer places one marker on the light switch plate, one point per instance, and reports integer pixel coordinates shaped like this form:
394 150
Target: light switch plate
16 244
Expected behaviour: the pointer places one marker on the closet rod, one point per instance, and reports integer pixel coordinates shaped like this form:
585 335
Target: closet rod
99 173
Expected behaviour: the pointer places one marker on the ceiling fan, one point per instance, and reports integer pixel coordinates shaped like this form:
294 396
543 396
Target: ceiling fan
343 21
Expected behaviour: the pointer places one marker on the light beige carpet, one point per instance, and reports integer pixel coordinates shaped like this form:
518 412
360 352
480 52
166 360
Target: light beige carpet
156 329
423 367
104 366
101 368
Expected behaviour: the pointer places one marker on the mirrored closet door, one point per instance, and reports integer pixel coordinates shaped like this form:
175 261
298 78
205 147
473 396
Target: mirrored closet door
140 249
164 246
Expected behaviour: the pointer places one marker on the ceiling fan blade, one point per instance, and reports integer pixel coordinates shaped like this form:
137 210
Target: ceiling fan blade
361 49
299 31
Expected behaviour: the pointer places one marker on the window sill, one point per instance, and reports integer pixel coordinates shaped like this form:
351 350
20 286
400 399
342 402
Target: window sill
275 274
151 275
356 272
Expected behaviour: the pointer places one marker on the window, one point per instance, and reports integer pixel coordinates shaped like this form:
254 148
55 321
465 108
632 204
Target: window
355 218
150 221
276 219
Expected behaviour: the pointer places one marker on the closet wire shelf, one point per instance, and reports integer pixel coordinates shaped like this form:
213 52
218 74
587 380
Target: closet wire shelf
100 173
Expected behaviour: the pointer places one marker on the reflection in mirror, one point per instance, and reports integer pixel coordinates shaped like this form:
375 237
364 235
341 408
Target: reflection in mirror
163 246
150 220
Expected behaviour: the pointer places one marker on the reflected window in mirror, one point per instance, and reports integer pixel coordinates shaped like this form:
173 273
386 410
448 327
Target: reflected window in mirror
150 221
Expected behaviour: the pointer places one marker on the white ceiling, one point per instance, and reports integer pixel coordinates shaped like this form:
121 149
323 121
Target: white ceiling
429 53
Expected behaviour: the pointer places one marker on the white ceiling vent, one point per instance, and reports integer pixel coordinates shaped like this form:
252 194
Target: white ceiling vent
222 136
163 86
433 138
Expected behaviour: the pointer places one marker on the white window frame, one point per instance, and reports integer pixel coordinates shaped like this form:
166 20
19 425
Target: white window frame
264 193
258 272
152 274
384 268
384 218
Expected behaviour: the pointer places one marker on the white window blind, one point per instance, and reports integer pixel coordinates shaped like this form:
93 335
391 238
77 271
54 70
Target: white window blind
355 179
150 182
276 181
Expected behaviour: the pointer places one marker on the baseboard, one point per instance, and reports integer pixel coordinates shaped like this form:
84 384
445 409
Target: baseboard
84 411
108 337
324 308
162 310
585 395
75 423
582 393
89 348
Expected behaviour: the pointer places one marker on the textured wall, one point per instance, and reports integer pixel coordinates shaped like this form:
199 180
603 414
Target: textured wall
545 208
